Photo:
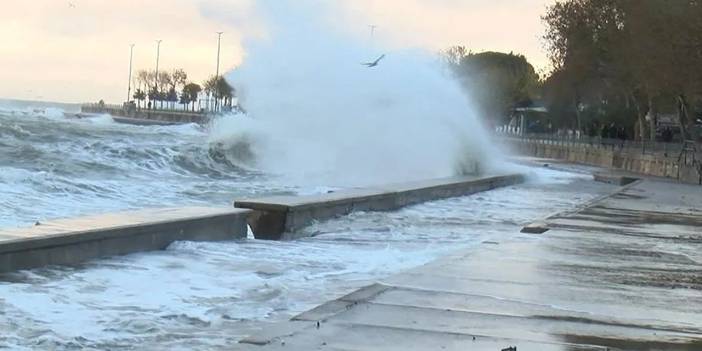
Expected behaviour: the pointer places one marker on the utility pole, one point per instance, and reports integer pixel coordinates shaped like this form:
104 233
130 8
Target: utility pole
219 45
131 56
158 53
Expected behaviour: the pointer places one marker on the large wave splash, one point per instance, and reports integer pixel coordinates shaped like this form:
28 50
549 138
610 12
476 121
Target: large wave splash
315 114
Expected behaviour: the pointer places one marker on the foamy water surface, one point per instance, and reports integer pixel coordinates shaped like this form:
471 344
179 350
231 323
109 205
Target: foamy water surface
209 295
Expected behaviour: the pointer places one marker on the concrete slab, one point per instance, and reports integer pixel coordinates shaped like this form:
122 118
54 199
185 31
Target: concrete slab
280 217
70 241
624 273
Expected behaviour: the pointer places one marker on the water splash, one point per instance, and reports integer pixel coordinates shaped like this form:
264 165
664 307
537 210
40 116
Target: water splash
316 115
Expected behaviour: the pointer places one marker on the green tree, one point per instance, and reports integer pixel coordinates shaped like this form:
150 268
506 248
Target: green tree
165 81
172 97
139 96
222 92
178 78
496 81
191 91
643 55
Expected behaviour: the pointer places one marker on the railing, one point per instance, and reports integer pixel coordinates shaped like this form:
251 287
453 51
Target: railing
103 107
644 147
686 154
94 105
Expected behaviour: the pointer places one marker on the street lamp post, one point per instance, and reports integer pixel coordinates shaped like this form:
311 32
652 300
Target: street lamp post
158 53
131 56
219 43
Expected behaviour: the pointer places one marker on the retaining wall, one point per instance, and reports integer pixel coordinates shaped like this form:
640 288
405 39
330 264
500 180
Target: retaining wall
684 168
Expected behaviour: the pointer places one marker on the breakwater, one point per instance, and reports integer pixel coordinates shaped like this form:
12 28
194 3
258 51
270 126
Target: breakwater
141 116
71 241
280 217
677 161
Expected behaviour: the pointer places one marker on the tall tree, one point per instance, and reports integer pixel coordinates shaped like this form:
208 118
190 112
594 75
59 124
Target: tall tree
644 54
496 81
191 91
165 81
220 90
139 96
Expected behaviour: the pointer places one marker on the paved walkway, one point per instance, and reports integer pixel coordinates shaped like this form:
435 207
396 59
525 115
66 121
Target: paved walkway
623 273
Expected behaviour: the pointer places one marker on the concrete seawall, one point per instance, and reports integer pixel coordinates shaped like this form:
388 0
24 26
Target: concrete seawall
682 166
71 241
280 217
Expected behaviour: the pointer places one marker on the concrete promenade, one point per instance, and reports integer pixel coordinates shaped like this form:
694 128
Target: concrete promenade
623 272
74 240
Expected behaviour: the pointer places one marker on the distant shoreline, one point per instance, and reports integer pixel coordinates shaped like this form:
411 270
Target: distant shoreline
69 106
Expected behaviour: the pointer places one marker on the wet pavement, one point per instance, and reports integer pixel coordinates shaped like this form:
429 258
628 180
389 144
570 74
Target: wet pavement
623 272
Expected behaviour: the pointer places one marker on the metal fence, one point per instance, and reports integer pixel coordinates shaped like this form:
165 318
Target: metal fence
108 107
630 146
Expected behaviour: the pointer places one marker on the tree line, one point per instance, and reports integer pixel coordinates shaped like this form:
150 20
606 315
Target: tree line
625 62
497 82
173 87
616 64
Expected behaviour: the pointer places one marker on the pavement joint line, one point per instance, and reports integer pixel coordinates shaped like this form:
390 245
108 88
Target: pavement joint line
616 231
589 321
416 289
466 335
585 287
542 225
334 307
593 202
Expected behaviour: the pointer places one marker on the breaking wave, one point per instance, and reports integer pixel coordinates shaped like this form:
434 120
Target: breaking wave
54 164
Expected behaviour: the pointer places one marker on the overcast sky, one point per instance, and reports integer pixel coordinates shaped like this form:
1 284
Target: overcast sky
78 50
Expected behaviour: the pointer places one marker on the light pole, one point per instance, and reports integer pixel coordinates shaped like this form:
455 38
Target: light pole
158 52
131 56
219 45
372 27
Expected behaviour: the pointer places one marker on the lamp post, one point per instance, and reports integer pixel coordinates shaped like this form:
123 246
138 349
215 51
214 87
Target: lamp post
129 86
219 45
158 53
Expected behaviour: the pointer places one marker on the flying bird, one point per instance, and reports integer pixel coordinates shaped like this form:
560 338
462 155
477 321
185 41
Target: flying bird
374 63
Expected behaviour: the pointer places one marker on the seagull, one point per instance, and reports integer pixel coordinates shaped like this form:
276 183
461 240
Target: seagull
374 63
